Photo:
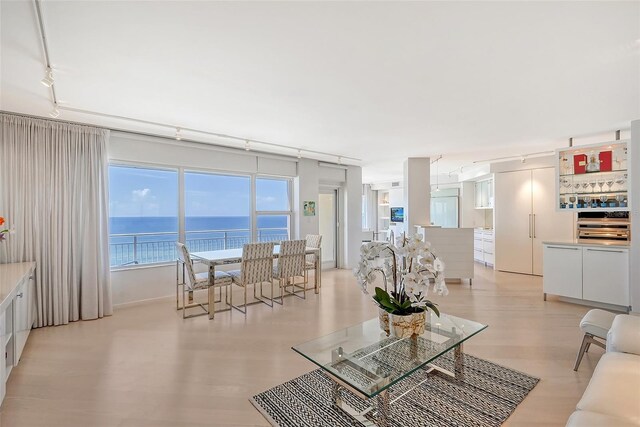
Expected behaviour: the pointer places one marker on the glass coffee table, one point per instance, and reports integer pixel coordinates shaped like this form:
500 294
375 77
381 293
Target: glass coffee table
363 359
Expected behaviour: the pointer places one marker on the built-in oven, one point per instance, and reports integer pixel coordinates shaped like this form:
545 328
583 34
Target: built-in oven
604 227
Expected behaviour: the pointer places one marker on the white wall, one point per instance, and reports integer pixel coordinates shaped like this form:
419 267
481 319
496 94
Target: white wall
396 199
634 171
353 216
150 282
305 188
417 192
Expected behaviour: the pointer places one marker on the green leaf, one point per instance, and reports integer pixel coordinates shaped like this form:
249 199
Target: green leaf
433 307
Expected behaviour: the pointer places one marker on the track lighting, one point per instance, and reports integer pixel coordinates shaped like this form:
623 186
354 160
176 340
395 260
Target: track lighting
55 112
339 160
523 159
48 78
299 154
247 146
178 134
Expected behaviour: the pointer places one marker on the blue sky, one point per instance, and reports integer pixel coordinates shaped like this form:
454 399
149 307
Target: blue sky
148 192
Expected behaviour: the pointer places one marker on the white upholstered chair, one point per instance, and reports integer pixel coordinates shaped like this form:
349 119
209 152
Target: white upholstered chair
291 264
192 281
256 268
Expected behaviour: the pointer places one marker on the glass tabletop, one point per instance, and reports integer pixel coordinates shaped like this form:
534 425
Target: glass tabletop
364 357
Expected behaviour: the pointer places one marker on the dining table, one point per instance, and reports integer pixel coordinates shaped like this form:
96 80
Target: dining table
221 257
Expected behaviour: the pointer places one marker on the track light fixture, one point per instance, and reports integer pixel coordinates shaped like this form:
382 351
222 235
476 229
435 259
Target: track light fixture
48 78
339 160
523 159
55 112
247 146
299 154
178 134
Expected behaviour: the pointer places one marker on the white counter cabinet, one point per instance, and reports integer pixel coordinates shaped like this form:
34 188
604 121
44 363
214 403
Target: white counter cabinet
588 272
605 276
17 314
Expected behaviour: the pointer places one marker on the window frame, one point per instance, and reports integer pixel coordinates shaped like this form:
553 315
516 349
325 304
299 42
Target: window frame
288 213
151 166
181 170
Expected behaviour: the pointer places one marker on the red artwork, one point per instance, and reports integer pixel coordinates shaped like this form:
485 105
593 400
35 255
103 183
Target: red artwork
605 161
579 163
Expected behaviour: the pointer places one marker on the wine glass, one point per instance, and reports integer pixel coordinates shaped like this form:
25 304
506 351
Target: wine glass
593 186
610 180
620 180
620 198
576 186
587 201
601 183
572 200
603 201
585 185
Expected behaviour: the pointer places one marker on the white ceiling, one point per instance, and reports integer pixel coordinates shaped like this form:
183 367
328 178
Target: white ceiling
379 81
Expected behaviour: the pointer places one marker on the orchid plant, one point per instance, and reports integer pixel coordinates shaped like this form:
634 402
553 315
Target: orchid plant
409 270
3 230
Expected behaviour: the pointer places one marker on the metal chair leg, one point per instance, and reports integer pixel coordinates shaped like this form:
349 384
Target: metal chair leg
583 347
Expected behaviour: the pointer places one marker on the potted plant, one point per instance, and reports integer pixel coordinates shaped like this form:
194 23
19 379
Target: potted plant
409 269
3 230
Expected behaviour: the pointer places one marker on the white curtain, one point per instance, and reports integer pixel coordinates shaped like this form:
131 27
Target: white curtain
54 193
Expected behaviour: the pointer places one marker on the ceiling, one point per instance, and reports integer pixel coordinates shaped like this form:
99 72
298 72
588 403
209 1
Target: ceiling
377 81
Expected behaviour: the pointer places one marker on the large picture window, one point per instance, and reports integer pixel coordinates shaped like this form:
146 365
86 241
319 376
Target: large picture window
221 211
273 205
217 211
143 215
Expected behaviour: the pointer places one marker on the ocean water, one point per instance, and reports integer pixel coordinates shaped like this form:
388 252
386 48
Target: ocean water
142 240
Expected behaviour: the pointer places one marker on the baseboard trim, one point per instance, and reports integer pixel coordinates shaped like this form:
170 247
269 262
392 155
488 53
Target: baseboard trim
141 302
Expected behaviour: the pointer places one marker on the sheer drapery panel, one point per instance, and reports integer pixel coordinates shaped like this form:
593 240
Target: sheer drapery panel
54 193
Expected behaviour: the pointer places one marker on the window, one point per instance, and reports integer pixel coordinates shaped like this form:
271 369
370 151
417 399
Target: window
273 204
221 211
217 211
143 215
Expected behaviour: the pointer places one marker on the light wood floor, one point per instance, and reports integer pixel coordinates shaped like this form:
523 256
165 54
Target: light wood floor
145 366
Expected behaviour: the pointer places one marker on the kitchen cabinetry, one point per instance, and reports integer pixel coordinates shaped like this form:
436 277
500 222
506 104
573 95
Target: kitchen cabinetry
483 246
525 217
384 214
593 177
17 314
484 194
587 272
605 276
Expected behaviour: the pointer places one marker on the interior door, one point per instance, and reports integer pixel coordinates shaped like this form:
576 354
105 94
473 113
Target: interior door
547 223
328 224
513 222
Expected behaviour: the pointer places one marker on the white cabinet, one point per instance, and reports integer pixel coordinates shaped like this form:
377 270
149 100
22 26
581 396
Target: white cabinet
606 275
563 270
384 214
24 313
484 194
596 274
525 216
483 246
17 314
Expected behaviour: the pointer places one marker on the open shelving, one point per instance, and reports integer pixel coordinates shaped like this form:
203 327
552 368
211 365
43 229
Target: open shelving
593 178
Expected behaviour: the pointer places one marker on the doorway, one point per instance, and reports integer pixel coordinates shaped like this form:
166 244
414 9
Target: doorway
328 227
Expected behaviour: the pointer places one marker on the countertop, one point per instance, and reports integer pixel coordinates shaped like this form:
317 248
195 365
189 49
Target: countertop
589 245
10 275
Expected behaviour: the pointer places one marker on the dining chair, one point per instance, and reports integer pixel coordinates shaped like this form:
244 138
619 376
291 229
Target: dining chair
291 264
313 241
256 268
192 281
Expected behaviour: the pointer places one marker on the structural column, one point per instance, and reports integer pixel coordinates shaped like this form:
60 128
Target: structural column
634 196
417 193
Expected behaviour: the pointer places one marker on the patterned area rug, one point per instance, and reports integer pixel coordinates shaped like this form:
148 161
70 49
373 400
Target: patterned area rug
486 397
